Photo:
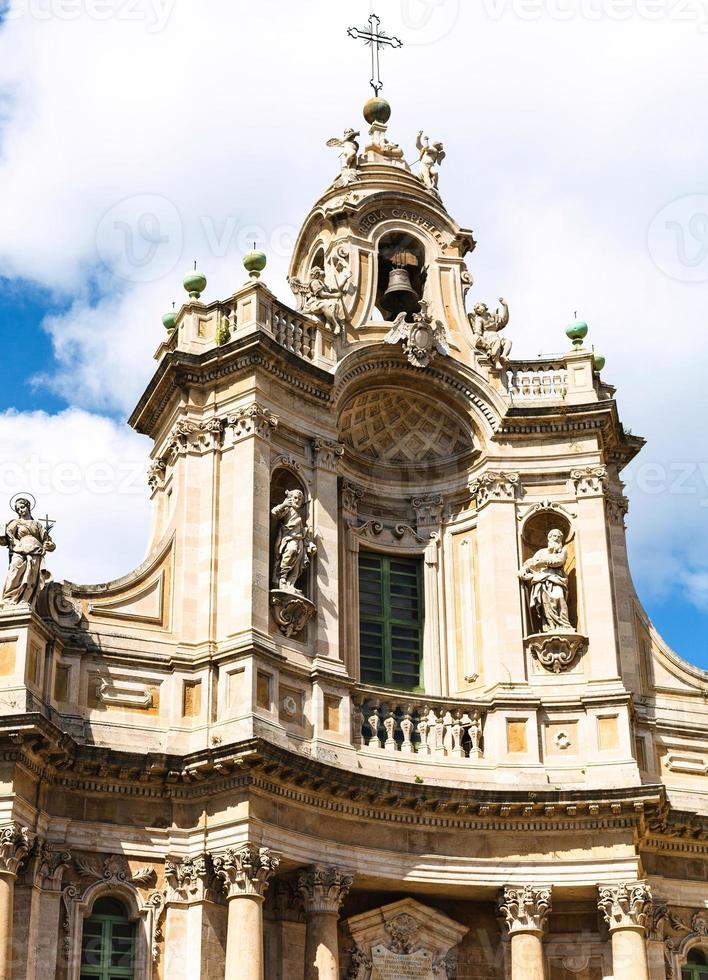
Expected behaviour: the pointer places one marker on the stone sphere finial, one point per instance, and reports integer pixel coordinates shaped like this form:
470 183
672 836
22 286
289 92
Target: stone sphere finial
577 331
169 319
377 110
195 283
254 262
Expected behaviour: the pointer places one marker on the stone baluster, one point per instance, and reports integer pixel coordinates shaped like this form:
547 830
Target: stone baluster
15 844
373 720
525 910
626 909
245 873
407 727
390 724
322 891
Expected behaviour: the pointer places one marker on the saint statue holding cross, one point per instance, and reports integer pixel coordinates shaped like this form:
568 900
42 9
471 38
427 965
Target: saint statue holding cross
28 541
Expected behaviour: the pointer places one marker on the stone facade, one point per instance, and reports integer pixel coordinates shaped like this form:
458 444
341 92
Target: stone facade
198 739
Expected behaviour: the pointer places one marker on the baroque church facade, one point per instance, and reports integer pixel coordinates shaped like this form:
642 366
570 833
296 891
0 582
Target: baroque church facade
381 701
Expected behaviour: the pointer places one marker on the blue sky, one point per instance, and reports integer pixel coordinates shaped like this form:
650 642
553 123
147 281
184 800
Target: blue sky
575 152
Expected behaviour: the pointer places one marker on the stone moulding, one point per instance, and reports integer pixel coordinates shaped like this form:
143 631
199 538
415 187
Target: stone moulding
556 652
291 611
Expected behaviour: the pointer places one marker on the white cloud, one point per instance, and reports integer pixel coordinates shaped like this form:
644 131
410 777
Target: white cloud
87 472
132 145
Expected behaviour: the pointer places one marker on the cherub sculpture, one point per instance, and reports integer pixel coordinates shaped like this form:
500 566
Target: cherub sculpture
486 328
431 155
547 582
28 541
422 339
294 545
318 299
349 154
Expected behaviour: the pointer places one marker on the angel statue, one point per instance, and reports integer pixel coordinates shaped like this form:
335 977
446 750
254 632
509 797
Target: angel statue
486 328
318 299
28 541
349 155
422 339
431 155
547 582
294 545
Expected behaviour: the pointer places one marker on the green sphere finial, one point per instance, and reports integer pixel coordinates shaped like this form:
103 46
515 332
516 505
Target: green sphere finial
169 319
598 362
254 262
377 110
577 331
195 283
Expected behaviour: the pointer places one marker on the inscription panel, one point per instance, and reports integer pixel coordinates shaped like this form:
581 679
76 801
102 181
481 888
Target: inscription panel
388 965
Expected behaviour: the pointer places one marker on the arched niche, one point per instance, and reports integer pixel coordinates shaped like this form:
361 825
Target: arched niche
534 537
285 479
318 259
399 250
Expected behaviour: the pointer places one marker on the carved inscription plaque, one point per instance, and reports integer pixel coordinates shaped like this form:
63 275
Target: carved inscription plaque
388 965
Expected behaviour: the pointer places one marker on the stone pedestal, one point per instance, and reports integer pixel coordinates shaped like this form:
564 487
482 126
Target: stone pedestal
322 891
626 909
525 910
15 843
245 872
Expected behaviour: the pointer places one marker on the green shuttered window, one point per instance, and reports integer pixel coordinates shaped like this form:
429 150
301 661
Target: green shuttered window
390 620
107 943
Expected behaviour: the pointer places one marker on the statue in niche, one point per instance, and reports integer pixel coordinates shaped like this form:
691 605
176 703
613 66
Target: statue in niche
431 155
486 328
28 541
547 582
349 156
318 299
294 544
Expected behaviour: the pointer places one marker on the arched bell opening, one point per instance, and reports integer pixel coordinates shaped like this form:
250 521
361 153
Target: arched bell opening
318 260
534 538
401 275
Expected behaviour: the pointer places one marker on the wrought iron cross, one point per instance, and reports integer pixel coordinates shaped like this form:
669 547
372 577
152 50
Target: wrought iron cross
376 40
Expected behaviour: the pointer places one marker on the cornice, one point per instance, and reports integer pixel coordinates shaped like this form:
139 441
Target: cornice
254 351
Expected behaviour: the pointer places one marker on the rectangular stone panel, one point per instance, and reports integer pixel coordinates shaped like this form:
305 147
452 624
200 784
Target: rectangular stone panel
516 735
388 965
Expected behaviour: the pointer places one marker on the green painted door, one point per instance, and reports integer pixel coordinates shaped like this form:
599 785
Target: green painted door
108 943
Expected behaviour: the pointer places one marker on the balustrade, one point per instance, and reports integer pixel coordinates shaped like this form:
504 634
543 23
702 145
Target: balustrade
294 332
537 382
424 729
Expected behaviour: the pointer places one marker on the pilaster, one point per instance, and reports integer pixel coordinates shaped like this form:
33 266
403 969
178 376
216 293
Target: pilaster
626 909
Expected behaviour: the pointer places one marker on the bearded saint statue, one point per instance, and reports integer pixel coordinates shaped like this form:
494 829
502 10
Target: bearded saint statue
547 581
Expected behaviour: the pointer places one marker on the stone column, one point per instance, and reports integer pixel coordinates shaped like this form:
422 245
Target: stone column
15 844
322 891
525 910
245 872
626 909
195 932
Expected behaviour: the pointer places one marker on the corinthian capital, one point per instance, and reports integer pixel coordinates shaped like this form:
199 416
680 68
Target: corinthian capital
246 870
191 880
494 486
252 420
323 889
327 454
625 906
15 845
525 908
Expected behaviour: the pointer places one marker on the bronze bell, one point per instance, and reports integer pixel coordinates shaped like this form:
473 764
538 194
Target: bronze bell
399 292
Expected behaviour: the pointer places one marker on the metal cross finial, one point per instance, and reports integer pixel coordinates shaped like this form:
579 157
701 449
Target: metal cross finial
376 40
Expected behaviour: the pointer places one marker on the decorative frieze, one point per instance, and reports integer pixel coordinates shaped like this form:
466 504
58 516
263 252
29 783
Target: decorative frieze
525 908
589 481
351 496
115 869
327 454
156 473
323 889
496 486
15 844
252 420
49 865
617 507
191 880
625 906
677 934
246 870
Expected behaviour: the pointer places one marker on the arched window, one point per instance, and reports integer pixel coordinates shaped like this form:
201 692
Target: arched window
696 967
108 942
